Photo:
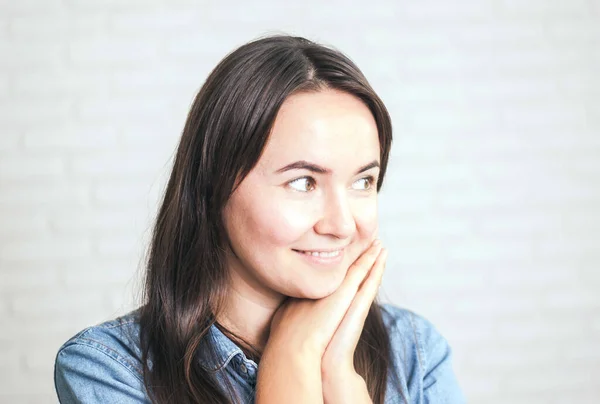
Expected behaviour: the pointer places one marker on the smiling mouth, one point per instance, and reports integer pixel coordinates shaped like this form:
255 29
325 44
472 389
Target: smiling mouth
321 254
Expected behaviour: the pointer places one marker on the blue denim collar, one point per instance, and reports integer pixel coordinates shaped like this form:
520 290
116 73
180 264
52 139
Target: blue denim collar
224 351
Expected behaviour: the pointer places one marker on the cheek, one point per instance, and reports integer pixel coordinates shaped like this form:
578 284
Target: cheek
286 223
267 224
366 217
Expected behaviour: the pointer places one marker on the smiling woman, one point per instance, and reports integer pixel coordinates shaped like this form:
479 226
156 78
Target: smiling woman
324 202
264 264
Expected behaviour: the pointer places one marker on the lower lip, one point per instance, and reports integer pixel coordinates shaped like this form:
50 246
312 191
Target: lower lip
322 260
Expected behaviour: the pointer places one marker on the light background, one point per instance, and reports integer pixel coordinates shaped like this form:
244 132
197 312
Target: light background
491 207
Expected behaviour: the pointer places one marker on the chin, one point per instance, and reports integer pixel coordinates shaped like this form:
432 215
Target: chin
318 289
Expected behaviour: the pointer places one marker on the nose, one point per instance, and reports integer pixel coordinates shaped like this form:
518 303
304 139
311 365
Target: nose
337 218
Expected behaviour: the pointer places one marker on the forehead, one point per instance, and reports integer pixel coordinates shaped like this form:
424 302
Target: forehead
329 128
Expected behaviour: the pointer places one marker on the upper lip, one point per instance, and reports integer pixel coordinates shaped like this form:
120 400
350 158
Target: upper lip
321 249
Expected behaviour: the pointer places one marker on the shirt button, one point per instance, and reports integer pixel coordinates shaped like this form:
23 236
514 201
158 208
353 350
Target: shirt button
243 368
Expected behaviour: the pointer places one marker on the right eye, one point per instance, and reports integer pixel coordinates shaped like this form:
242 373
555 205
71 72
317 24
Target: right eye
303 184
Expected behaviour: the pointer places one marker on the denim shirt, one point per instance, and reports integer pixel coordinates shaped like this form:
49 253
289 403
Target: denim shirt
102 364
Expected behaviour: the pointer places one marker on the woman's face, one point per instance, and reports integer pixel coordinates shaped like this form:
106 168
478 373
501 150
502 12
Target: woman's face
313 190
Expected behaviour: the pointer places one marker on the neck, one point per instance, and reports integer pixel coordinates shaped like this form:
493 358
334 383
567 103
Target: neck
248 311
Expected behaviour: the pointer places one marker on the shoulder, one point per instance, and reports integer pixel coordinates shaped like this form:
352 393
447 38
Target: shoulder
101 361
422 356
412 329
117 339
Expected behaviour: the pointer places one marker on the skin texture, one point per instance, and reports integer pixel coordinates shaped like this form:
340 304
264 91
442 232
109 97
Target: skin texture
273 213
322 333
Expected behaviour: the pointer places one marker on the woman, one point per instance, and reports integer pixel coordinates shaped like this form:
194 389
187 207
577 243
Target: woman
265 251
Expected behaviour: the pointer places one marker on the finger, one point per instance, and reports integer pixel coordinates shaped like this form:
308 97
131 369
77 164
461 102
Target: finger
370 285
356 315
346 336
361 267
338 302
356 274
351 295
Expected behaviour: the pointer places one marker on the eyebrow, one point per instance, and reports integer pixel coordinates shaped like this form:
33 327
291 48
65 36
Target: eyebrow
305 165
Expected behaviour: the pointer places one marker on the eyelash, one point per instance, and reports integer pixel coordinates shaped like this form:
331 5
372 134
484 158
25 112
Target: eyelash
370 180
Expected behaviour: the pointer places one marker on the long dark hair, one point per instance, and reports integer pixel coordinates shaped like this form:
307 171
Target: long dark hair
223 138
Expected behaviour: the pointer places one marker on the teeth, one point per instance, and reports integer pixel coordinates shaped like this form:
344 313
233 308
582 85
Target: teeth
322 254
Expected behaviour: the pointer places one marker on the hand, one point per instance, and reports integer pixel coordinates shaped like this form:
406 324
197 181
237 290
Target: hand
307 326
337 365
340 351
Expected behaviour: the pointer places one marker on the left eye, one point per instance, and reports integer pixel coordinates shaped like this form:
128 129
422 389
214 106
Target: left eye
304 184
364 183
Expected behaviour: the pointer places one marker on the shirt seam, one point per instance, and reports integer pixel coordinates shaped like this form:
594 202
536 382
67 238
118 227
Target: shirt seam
224 362
224 355
103 327
128 322
418 342
111 353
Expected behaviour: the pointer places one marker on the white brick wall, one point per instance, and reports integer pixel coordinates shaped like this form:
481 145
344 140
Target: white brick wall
491 207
